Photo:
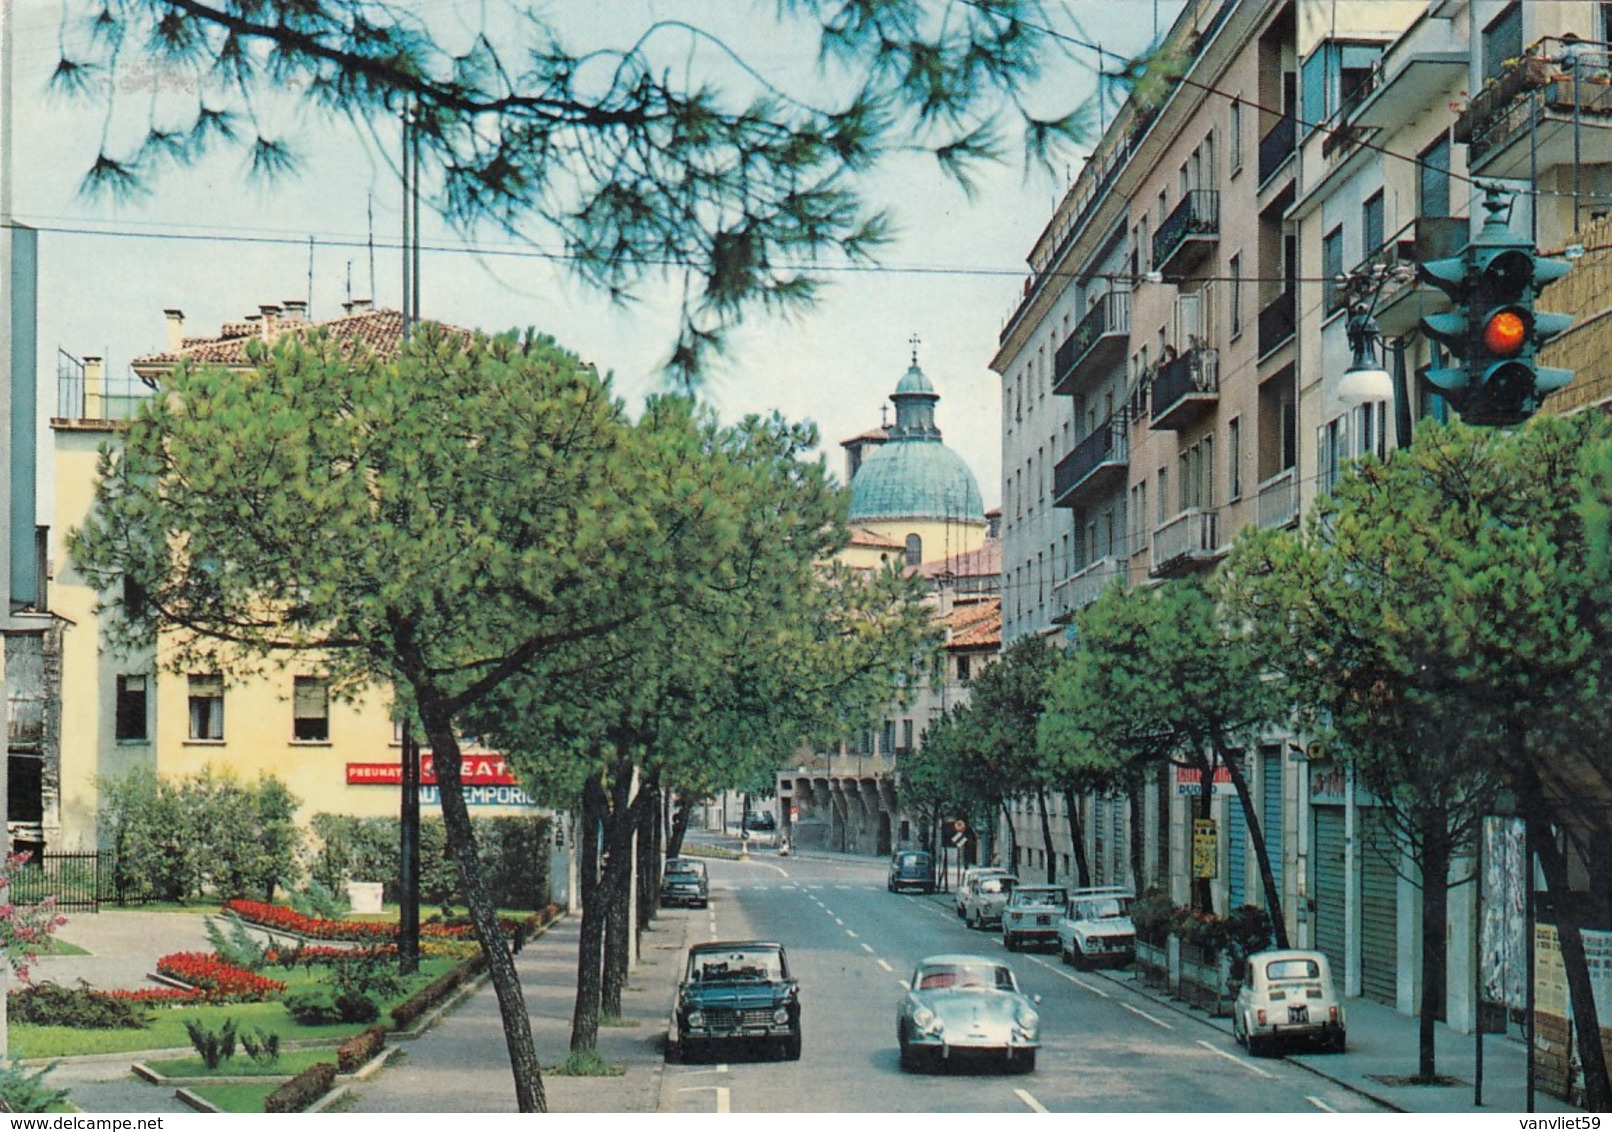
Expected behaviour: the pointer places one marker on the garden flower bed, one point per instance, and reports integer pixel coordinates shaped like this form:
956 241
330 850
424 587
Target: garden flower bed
220 981
278 917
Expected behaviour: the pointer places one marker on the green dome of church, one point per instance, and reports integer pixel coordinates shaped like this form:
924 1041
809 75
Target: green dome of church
912 475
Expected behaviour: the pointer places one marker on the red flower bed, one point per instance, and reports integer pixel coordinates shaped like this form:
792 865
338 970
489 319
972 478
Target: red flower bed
221 981
356 931
157 994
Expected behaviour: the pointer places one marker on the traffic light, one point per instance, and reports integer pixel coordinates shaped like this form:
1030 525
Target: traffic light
1494 331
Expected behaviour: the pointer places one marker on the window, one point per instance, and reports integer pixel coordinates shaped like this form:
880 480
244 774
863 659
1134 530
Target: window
906 734
1332 268
888 739
1236 288
1371 223
915 550
1333 79
131 707
1234 458
1164 495
1502 40
1234 135
964 672
207 708
310 709
1433 187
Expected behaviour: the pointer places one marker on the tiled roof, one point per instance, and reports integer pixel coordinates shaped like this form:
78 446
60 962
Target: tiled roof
975 624
379 331
861 536
983 562
880 433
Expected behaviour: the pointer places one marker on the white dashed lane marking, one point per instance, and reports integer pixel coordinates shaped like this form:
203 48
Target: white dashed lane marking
1030 1102
1235 1060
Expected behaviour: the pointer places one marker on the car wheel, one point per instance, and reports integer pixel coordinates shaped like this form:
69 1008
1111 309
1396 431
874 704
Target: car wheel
1010 941
1064 957
1258 1046
1237 1028
1024 1062
792 1048
1339 1042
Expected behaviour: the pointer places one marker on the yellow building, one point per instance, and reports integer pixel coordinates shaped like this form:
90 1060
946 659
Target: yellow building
121 710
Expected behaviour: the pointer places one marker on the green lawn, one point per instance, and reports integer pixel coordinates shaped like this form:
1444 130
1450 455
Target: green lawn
235 1098
289 1064
167 1029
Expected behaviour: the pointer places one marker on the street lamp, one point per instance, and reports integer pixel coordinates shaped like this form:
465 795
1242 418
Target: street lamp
1365 380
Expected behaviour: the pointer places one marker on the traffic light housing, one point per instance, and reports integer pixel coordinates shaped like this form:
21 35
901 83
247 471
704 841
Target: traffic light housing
1494 332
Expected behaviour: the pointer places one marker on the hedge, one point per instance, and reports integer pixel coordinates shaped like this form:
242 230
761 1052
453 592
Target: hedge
303 1089
514 852
356 1052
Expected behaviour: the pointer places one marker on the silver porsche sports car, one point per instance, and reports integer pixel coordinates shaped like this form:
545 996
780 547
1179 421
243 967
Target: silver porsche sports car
967 1006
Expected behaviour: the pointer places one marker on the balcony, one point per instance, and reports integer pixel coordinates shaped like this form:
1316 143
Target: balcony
1414 73
1404 297
1190 233
1277 146
1098 342
1189 540
1536 117
1278 500
1085 586
1185 389
1278 322
1098 464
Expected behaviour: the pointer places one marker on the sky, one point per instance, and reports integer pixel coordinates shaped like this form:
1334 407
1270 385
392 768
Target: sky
211 242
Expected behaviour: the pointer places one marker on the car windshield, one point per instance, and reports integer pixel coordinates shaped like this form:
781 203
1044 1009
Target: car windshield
997 884
1292 969
683 867
1104 908
745 965
976 976
1039 897
913 860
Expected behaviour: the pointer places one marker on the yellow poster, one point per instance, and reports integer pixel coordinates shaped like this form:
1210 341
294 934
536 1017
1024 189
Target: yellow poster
1205 848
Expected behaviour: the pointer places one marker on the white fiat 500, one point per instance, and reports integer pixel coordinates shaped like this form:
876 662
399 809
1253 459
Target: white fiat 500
1288 996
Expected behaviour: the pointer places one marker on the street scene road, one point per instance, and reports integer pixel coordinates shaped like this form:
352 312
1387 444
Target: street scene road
853 945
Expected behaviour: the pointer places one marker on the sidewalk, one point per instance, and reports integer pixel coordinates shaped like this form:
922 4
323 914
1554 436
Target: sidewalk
458 1065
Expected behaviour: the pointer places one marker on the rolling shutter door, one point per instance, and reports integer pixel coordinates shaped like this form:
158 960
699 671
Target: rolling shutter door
1379 908
1271 813
1236 855
1327 864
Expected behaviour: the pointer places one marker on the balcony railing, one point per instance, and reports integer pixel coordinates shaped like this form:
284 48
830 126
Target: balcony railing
1096 463
1100 339
1278 322
1185 388
1279 499
1277 146
1538 115
1189 539
1086 585
1191 230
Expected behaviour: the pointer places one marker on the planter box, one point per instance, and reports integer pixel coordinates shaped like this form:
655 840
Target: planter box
1153 965
1205 979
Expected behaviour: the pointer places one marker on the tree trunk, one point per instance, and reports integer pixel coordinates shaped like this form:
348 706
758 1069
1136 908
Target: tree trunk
501 971
1077 837
590 945
621 823
1203 893
1570 935
1256 838
1046 837
1435 865
1013 838
680 820
647 851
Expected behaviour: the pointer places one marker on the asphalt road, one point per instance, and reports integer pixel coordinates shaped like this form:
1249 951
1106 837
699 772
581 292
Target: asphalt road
853 945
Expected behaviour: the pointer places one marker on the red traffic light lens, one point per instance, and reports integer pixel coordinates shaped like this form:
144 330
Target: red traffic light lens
1505 332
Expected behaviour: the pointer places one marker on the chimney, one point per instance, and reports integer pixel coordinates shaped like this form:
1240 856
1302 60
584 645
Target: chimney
176 330
296 310
359 306
94 390
270 314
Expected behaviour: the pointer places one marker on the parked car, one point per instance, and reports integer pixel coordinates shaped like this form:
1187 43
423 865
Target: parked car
1031 914
736 995
1287 995
1096 928
761 821
987 895
684 882
911 868
970 874
966 1005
